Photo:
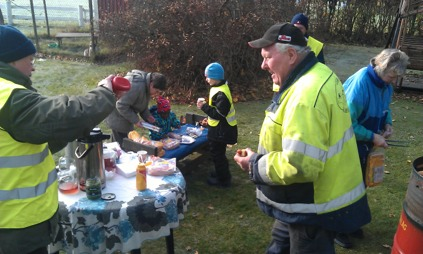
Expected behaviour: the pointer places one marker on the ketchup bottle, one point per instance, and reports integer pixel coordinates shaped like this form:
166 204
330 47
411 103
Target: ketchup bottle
141 177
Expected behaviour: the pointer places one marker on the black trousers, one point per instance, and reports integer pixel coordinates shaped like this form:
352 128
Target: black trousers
221 165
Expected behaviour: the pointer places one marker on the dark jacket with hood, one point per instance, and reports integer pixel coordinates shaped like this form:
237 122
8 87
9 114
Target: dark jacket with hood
220 108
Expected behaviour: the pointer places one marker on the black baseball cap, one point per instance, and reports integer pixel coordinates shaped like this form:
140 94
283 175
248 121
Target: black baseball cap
282 33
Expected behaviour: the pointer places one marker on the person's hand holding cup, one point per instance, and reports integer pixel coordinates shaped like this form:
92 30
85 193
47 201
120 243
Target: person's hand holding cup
107 83
200 102
118 85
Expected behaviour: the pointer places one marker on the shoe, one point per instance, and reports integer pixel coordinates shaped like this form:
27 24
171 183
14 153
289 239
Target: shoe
359 234
343 240
213 181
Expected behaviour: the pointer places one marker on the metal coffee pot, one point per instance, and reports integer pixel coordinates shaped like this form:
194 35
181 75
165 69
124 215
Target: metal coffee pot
89 155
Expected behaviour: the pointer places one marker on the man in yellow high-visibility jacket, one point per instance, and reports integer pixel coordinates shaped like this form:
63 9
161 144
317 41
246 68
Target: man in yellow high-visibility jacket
32 127
301 22
299 169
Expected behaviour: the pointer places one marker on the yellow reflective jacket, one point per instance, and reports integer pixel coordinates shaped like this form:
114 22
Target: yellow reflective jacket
309 162
28 179
315 45
230 118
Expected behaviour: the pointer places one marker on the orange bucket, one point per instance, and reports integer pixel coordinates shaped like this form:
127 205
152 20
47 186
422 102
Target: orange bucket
409 236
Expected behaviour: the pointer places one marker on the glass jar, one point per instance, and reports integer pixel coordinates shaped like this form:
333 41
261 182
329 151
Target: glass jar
109 157
93 188
67 176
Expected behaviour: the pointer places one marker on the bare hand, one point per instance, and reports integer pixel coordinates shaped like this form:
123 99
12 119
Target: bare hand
107 82
379 140
388 131
139 125
200 102
151 119
243 161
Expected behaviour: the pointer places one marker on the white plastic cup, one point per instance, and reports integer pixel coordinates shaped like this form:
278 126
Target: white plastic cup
142 156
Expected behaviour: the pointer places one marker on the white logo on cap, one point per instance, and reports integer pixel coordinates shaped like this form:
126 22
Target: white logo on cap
283 37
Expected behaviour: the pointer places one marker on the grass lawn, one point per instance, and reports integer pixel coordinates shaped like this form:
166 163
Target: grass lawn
228 220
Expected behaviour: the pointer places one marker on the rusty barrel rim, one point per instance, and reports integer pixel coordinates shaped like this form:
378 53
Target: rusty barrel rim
418 166
411 218
413 204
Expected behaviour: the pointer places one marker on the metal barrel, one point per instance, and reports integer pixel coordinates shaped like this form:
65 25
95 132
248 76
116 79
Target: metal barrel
408 238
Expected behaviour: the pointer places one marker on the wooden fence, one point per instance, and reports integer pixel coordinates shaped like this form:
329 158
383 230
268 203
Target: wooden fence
79 14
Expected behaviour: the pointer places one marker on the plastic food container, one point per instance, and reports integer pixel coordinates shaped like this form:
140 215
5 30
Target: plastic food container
194 131
162 167
170 143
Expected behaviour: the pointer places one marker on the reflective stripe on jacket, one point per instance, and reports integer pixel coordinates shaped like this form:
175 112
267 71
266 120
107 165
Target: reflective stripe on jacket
28 178
310 163
230 118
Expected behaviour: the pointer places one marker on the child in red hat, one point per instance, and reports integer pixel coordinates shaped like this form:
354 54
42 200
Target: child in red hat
165 119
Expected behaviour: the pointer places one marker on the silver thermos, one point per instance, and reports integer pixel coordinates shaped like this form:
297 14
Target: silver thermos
89 156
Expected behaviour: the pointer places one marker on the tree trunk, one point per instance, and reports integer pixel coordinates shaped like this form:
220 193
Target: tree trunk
1 18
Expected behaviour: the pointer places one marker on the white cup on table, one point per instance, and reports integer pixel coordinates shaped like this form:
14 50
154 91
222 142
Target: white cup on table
200 102
142 156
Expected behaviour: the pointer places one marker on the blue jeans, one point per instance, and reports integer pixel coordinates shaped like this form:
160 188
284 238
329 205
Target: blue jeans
300 239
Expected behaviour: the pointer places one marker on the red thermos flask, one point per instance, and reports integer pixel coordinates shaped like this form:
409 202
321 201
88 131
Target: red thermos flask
120 84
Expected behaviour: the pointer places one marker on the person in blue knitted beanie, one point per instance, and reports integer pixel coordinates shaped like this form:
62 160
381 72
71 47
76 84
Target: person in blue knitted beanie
215 71
32 128
14 44
222 124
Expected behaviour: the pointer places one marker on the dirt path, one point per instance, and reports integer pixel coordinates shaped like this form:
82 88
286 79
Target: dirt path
345 60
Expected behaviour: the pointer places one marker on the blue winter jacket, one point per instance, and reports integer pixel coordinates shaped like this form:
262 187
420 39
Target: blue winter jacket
368 98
